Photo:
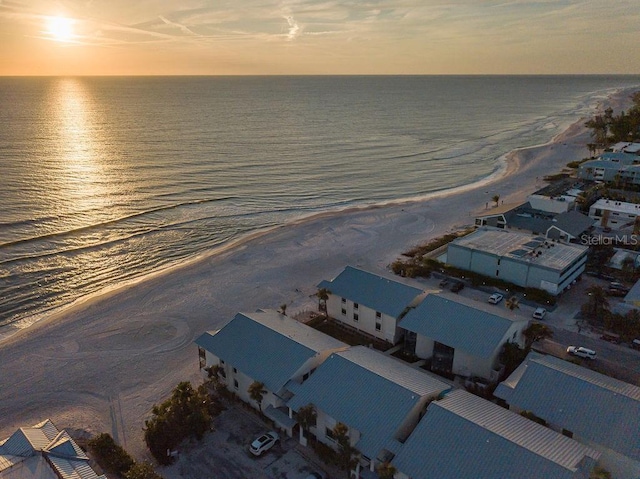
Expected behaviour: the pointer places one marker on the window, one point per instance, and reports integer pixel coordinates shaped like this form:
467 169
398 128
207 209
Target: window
355 317
235 370
222 362
378 326
235 383
344 300
202 355
567 433
497 272
305 376
344 312
329 433
355 305
378 315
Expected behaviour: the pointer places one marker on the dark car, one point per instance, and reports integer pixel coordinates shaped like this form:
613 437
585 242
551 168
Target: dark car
457 286
444 282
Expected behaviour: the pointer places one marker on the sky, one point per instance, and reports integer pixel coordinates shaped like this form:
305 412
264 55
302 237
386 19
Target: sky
318 37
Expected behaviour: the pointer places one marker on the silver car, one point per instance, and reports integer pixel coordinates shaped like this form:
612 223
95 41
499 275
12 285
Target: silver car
264 443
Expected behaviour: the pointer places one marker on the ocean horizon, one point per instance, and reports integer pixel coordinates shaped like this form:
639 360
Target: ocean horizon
106 180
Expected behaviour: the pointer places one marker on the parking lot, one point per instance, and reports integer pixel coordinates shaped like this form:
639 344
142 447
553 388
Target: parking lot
224 454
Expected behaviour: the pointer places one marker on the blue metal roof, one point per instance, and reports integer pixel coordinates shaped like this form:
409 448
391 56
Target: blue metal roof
374 402
457 325
258 351
465 437
596 407
373 291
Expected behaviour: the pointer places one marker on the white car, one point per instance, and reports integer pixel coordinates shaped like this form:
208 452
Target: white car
581 352
495 298
264 443
539 313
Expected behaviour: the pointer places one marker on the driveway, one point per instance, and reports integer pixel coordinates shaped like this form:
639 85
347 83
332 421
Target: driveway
223 453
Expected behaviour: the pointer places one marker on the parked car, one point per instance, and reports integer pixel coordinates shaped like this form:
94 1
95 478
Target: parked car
264 443
581 352
635 344
617 289
495 298
314 475
444 282
457 286
539 313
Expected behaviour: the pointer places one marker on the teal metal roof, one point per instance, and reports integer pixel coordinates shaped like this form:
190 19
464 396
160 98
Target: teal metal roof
369 392
266 346
465 437
593 406
457 325
376 292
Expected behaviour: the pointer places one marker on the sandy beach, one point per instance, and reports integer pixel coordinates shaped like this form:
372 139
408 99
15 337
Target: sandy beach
102 364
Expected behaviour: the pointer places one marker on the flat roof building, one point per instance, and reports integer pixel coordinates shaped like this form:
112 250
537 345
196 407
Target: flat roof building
518 258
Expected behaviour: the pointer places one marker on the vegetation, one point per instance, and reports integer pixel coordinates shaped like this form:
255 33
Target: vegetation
536 332
111 456
608 129
597 307
256 392
187 413
307 417
323 296
386 471
495 198
511 356
346 458
142 470
600 473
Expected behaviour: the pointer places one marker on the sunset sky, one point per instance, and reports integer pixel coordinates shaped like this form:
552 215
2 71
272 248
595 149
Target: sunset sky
267 37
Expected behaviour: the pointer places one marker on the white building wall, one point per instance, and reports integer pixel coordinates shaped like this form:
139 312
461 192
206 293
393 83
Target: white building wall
325 422
465 364
558 204
367 320
424 347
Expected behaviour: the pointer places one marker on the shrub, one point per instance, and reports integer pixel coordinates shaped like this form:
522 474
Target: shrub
111 457
142 470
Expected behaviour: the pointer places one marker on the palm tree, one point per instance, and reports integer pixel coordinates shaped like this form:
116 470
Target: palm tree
386 471
346 452
536 332
323 296
307 417
512 303
495 198
283 308
256 392
598 305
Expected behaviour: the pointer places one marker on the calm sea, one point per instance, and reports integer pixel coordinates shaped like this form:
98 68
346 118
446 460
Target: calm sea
104 180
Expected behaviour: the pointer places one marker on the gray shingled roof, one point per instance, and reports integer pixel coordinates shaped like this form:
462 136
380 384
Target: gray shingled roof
267 346
596 407
572 222
373 291
465 437
457 325
369 392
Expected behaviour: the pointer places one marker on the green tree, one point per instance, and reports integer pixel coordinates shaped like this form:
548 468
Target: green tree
386 471
323 297
600 473
597 306
256 392
215 375
347 459
511 357
536 332
283 308
629 268
512 303
495 198
307 418
142 470
111 456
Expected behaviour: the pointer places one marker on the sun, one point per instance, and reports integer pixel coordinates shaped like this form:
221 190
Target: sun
60 28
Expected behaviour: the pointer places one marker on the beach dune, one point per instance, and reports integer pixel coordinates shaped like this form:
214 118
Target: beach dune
101 365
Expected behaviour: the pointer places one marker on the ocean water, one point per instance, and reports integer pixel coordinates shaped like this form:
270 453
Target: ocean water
105 180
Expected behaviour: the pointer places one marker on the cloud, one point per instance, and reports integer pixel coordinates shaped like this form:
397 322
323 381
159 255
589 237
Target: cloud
294 28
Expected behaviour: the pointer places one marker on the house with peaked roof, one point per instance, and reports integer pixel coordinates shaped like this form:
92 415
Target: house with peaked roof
369 303
595 410
269 348
43 452
462 436
459 338
617 215
379 398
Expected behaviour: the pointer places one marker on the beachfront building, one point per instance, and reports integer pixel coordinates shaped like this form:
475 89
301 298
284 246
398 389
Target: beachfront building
596 410
269 348
626 147
379 398
460 339
612 167
43 452
564 227
519 258
369 303
617 215
464 436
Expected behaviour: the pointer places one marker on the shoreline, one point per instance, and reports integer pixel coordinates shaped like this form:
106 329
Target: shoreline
103 362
